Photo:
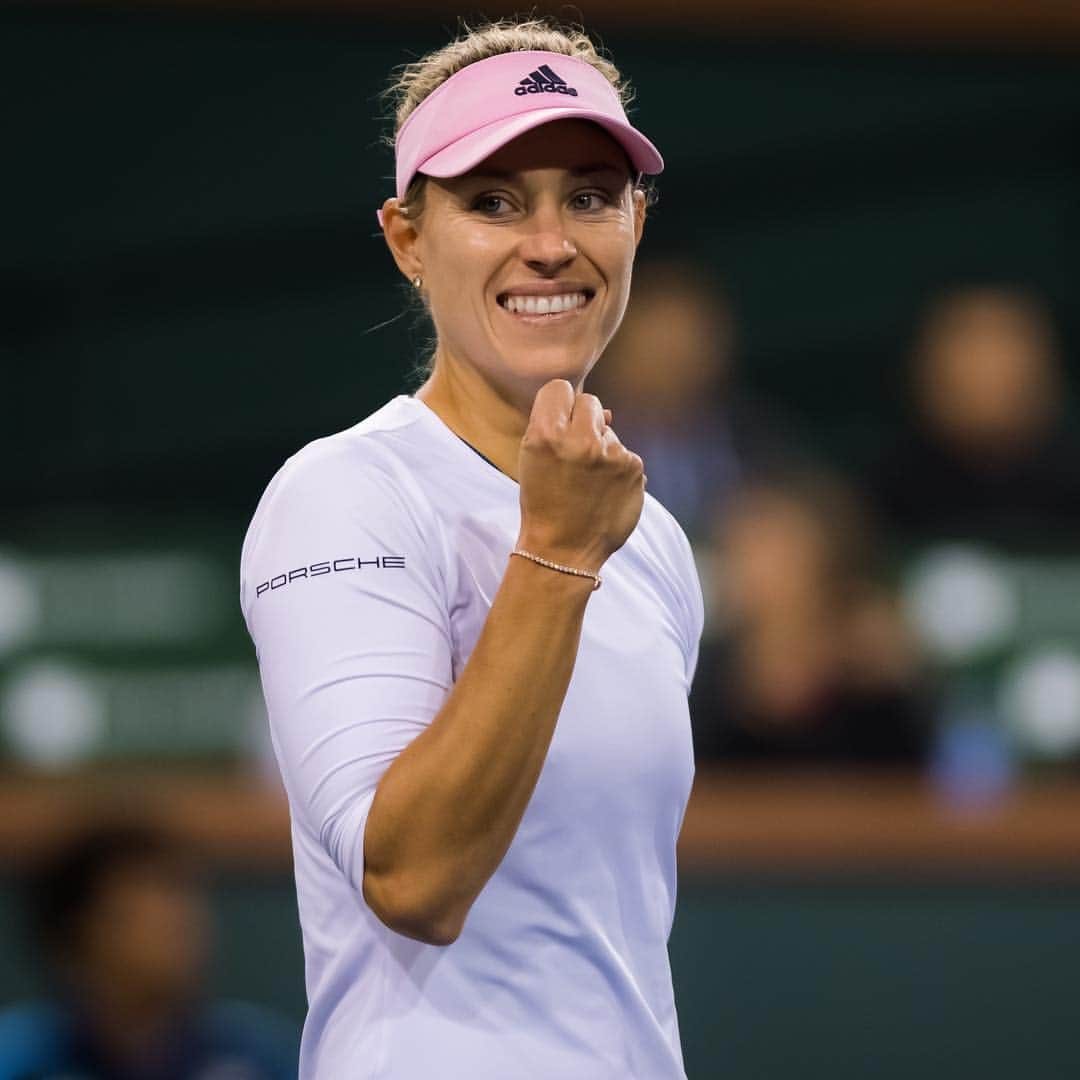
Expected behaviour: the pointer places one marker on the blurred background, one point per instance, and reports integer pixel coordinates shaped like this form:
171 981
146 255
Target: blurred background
850 364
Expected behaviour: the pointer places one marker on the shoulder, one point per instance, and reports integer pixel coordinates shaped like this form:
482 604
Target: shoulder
365 468
665 537
349 463
348 489
668 550
31 1039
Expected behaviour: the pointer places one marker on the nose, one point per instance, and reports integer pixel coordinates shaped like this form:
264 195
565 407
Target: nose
546 246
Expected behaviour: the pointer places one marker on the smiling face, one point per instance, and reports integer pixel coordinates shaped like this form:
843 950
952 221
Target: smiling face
526 259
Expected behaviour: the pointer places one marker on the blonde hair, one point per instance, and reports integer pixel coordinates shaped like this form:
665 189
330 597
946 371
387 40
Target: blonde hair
414 81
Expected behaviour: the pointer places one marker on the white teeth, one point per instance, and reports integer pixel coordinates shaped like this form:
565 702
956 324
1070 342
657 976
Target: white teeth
544 305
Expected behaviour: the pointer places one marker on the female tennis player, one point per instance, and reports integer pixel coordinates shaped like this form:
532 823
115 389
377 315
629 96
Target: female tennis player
476 632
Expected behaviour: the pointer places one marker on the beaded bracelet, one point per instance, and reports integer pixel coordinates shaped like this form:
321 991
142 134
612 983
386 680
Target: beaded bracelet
559 566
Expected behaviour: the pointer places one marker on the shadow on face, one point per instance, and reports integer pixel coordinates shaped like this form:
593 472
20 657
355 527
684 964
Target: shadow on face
674 347
146 932
987 376
793 545
122 915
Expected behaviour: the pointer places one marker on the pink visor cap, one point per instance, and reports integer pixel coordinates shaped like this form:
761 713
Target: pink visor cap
487 104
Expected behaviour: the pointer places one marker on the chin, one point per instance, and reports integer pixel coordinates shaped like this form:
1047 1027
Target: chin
541 368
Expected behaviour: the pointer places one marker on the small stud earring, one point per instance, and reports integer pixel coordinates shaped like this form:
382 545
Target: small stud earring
417 281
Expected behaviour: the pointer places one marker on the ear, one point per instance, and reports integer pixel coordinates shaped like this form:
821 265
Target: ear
639 199
401 236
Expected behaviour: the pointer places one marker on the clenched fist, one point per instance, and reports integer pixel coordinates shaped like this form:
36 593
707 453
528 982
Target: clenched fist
581 489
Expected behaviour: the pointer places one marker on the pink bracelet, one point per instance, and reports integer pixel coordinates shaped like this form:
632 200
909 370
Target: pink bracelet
559 567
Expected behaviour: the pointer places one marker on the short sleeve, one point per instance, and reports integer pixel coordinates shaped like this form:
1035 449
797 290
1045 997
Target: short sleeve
344 597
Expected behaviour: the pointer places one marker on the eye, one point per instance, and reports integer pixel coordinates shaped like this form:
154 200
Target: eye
490 203
590 200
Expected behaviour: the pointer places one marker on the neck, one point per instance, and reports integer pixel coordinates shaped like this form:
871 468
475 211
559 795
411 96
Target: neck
490 418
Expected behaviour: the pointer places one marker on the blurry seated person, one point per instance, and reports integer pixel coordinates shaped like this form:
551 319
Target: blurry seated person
811 661
124 928
988 457
668 376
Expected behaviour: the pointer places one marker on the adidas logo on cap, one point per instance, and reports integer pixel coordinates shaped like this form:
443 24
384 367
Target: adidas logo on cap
544 81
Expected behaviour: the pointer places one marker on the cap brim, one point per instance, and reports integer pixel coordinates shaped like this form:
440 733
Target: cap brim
461 156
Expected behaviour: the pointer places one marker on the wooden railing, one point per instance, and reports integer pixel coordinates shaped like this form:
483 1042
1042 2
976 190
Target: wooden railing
864 824
804 824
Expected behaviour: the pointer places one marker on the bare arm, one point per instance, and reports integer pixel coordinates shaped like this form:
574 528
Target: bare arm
447 808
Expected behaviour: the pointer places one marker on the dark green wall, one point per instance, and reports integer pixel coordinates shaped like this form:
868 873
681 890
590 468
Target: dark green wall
193 274
840 981
890 981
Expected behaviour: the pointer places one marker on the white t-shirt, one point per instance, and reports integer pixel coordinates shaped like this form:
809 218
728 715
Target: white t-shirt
367 575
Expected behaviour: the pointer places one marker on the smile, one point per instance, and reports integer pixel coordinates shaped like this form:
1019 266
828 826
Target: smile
559 304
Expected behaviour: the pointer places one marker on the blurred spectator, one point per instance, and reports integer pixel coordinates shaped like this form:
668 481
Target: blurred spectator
812 661
668 377
989 457
123 926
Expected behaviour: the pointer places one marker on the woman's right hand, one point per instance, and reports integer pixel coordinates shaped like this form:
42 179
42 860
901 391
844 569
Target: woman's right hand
581 490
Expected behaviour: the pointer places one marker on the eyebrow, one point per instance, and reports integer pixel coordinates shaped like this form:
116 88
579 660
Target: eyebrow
578 170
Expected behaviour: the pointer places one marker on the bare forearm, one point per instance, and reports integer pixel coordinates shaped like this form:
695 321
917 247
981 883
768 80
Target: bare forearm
447 809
